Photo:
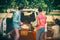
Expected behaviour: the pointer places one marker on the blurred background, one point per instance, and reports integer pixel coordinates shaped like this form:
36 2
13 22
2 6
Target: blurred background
50 7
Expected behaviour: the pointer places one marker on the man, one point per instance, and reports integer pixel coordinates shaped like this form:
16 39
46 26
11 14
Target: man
16 22
41 21
55 28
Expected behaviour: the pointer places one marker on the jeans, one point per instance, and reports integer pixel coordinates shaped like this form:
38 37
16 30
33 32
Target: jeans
39 31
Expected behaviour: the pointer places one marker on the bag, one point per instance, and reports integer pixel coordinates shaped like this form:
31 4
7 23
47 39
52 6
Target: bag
34 24
24 32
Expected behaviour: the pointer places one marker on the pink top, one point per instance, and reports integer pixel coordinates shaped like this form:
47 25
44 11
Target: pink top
41 20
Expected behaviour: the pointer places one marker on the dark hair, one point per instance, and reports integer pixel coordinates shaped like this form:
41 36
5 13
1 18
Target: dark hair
57 21
40 9
20 8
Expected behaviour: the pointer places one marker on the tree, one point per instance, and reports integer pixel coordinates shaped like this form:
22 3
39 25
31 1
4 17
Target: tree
49 5
4 4
56 4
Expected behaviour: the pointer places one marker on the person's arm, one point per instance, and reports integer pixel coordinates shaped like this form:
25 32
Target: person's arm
19 18
38 22
12 10
37 19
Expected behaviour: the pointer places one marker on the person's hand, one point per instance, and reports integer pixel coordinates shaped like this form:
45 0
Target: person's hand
35 29
21 23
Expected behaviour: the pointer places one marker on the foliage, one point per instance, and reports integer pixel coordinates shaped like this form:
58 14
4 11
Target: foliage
4 4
